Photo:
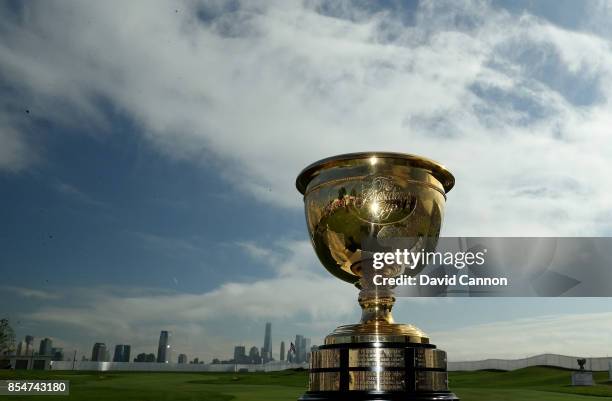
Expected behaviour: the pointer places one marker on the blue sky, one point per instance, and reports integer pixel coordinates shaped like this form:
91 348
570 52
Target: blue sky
148 153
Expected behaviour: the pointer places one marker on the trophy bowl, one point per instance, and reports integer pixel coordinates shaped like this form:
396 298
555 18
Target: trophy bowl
351 202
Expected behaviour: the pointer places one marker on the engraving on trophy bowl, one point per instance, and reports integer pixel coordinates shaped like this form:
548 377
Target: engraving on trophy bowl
383 202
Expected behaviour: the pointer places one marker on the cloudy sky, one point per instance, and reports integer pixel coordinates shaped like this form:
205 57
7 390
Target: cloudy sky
148 152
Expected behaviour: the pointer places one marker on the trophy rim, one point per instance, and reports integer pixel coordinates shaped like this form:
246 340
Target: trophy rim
438 170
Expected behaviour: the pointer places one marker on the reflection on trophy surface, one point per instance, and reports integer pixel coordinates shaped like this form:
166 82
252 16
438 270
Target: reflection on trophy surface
354 203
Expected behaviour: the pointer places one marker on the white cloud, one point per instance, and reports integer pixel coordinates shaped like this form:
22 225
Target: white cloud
76 194
256 251
304 302
169 244
586 334
300 292
512 104
13 150
31 293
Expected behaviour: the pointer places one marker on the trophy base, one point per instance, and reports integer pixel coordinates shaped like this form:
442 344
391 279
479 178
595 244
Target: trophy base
378 332
395 362
377 396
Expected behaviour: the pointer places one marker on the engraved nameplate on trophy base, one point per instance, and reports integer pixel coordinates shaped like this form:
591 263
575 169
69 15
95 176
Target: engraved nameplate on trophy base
376 357
376 381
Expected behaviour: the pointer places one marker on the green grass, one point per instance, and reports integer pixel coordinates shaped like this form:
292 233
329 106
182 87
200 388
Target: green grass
531 384
536 383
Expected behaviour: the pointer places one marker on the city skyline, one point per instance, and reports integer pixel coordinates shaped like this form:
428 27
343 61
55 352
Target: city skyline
122 352
597 313
298 351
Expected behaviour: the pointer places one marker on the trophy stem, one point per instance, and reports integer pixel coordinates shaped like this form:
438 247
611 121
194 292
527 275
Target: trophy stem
376 301
375 309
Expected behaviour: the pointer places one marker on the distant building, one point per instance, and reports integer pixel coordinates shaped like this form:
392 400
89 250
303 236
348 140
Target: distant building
302 348
57 354
282 351
306 350
240 354
25 347
313 348
21 348
291 353
122 353
29 349
182 358
29 362
142 357
266 352
299 340
163 349
98 353
254 356
46 345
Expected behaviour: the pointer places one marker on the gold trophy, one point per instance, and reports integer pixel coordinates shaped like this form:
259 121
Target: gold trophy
352 200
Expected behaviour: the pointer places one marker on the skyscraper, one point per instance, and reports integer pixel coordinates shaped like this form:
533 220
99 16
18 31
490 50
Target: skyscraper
98 352
240 354
282 351
299 343
306 350
302 349
182 358
266 354
45 346
163 350
25 347
57 354
21 348
122 353
254 356
29 345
